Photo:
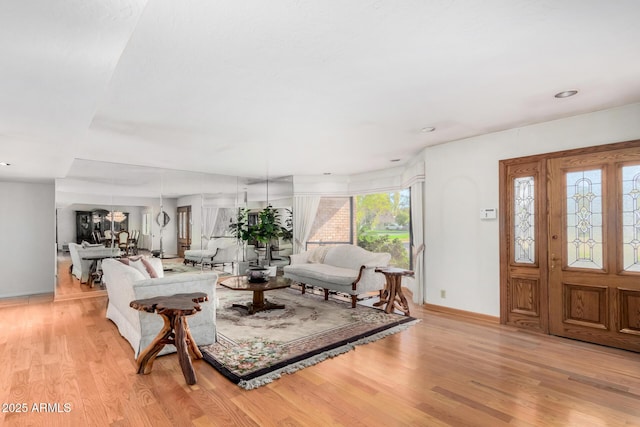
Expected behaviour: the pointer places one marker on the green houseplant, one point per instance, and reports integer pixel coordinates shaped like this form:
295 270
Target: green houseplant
241 230
268 229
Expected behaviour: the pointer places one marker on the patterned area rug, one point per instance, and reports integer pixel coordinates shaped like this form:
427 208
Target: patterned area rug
254 350
178 267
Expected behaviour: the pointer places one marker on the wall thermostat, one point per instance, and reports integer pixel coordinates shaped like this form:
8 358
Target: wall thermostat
489 213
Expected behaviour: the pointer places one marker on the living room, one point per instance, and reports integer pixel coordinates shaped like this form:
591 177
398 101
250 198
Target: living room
458 161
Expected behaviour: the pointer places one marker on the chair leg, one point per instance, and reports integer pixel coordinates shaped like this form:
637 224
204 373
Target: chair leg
354 300
326 294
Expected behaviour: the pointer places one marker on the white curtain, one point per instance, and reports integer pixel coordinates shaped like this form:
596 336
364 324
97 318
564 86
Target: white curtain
209 218
417 249
304 214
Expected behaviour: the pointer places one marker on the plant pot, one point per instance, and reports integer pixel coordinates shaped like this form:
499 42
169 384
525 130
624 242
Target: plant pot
273 270
243 266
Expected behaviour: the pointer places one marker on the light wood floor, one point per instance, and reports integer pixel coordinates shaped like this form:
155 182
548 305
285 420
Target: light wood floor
446 370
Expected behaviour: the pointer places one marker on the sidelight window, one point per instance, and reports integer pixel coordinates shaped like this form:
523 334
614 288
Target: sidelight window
524 219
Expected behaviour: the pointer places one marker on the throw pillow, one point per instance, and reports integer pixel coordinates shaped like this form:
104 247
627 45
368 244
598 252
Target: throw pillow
317 255
138 265
152 271
149 273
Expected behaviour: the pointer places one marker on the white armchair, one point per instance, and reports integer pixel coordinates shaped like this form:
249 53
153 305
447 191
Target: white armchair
80 267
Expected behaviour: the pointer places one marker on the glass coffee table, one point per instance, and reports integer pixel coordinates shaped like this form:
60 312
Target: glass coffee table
240 283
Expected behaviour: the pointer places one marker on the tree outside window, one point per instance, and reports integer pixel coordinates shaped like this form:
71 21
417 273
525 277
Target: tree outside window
383 224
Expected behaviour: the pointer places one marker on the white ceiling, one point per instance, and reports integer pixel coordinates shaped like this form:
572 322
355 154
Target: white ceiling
292 86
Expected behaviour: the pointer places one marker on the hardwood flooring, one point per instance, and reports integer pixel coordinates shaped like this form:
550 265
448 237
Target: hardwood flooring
69 361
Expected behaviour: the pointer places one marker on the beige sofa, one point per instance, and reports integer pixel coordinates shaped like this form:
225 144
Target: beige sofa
126 283
345 268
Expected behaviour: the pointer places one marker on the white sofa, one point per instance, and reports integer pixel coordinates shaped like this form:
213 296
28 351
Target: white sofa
126 283
220 250
348 269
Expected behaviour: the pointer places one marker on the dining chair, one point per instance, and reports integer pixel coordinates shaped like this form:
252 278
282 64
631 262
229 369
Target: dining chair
123 241
132 247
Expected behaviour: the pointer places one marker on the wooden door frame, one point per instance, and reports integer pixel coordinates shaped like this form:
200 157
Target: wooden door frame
541 324
187 209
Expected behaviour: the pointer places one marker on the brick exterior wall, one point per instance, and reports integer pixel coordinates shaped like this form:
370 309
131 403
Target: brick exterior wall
332 221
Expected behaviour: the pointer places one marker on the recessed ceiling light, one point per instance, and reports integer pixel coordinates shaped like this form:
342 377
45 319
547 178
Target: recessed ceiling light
428 129
565 94
326 173
395 160
5 164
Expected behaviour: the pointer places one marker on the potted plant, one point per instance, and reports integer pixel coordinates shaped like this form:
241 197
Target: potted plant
241 230
268 229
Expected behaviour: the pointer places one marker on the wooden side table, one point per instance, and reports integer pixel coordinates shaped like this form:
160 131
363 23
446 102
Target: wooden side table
392 294
173 310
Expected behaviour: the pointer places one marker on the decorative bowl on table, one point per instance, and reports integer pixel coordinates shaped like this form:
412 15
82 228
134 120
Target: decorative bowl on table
258 274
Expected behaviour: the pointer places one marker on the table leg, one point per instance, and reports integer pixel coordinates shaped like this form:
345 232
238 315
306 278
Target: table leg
392 296
384 296
183 354
396 298
259 304
191 342
258 301
149 354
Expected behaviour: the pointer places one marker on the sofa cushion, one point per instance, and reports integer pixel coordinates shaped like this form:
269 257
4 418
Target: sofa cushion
221 242
120 274
145 266
318 254
353 257
138 265
325 273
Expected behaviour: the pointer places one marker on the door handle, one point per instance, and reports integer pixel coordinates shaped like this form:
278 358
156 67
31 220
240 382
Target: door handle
553 261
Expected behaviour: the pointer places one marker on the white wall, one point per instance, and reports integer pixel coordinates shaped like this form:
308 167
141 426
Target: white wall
27 227
462 251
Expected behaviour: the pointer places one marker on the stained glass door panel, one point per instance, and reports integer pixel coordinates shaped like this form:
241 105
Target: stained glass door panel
594 265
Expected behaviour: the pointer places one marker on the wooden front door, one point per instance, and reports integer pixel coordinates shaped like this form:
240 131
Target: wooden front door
594 247
184 229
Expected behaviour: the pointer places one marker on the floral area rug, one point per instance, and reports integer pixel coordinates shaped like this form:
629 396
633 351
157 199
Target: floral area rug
253 350
178 268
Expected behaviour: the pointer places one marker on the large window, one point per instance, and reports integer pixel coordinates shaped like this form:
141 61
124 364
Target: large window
383 224
378 222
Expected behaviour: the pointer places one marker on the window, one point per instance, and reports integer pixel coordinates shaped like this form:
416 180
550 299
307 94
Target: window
146 224
524 219
584 219
383 224
631 217
378 222
333 223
